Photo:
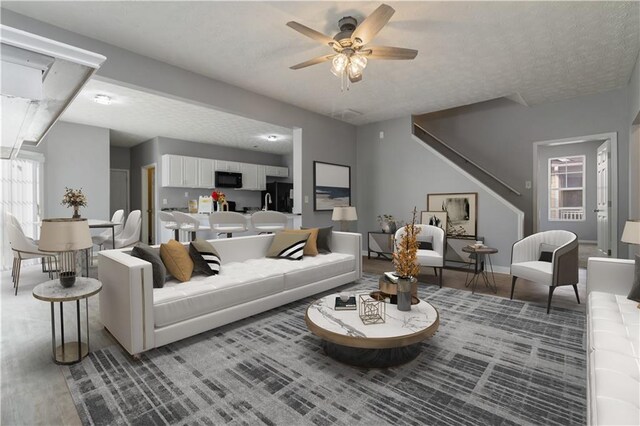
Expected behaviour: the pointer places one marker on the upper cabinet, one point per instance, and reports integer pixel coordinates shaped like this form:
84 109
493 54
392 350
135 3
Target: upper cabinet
277 171
191 172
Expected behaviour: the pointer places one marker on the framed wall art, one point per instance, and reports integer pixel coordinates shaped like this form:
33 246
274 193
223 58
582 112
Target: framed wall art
434 218
331 186
461 209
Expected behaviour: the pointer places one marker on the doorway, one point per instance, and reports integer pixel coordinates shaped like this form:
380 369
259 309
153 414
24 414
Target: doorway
581 198
148 174
119 190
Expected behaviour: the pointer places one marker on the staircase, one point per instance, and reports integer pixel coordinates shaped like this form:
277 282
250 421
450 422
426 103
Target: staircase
489 179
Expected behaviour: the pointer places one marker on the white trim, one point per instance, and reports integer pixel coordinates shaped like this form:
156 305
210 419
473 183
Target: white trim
31 155
45 46
519 213
581 188
613 190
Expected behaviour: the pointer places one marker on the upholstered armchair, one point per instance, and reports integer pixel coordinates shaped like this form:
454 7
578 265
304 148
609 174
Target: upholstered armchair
549 257
431 252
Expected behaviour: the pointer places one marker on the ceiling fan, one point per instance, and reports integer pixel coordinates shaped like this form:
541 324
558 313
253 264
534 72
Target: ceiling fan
349 45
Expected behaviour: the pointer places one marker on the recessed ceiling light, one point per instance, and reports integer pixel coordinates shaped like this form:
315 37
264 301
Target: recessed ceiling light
102 99
272 138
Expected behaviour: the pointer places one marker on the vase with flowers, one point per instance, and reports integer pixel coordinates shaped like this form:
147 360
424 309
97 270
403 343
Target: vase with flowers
74 198
405 260
219 198
387 223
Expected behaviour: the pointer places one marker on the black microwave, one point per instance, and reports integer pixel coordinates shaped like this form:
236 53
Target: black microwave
228 180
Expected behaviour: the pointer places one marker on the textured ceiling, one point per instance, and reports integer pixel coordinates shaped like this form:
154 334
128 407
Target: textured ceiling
135 116
469 51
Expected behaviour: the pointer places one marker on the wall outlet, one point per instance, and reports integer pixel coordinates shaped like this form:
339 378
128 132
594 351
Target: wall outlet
527 184
306 199
186 194
164 201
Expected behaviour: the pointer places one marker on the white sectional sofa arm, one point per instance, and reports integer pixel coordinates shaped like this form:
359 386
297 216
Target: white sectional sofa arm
349 243
126 299
609 275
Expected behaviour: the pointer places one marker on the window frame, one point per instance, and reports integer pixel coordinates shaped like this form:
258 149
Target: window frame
565 188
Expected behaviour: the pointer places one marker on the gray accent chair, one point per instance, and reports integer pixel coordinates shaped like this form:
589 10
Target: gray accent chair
562 269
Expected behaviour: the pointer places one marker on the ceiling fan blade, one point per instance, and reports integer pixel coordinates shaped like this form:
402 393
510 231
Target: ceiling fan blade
373 23
314 61
313 34
388 52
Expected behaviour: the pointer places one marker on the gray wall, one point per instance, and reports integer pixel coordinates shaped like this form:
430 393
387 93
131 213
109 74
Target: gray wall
176 196
75 157
634 150
499 135
585 230
120 157
396 173
323 138
142 154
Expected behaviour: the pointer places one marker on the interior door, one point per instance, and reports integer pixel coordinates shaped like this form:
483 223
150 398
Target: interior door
603 205
119 191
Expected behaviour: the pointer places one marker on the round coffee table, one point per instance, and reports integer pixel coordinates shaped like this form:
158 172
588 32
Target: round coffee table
394 342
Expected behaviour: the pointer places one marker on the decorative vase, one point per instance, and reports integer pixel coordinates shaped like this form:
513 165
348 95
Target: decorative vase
219 206
404 294
76 212
389 227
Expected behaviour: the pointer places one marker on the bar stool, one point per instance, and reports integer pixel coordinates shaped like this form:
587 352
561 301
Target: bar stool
169 222
189 223
267 222
227 223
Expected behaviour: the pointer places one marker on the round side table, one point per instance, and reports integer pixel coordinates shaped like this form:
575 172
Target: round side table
479 269
52 292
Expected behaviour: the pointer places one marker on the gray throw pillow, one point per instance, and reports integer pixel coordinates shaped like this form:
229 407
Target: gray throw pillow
425 243
205 258
546 252
323 243
151 255
634 294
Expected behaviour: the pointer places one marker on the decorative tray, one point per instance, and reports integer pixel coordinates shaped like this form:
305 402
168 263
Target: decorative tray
378 295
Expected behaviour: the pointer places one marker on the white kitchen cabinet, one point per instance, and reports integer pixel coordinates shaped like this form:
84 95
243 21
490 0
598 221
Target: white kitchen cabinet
277 171
172 168
228 166
205 169
249 176
261 178
190 172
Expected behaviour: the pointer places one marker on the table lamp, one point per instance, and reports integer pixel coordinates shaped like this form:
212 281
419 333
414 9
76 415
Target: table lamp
344 215
65 236
631 235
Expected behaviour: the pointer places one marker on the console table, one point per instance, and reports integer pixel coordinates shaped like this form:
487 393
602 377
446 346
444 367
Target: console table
380 243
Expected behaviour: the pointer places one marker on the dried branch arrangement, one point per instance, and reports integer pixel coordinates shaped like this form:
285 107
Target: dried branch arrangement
405 257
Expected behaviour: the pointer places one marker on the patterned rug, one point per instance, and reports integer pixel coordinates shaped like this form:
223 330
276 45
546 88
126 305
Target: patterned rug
493 361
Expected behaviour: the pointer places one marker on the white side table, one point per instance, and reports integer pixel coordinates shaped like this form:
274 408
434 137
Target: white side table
52 292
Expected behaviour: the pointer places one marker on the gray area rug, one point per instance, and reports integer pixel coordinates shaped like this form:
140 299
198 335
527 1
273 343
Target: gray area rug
493 361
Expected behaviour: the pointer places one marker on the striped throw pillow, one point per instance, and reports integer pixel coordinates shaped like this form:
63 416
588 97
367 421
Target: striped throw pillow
288 246
205 258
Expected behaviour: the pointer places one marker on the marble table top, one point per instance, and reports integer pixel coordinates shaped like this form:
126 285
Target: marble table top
346 328
52 291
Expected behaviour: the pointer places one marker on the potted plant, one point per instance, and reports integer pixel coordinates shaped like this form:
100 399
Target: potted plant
74 198
388 223
405 260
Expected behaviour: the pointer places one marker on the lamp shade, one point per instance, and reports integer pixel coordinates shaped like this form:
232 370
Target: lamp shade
60 235
631 233
344 213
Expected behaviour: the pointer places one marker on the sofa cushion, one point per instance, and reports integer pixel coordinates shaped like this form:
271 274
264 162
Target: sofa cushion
323 242
237 283
310 248
176 259
541 272
429 258
152 255
288 246
205 257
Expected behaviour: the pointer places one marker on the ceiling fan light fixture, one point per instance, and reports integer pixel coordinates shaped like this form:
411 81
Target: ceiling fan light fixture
339 63
272 138
359 61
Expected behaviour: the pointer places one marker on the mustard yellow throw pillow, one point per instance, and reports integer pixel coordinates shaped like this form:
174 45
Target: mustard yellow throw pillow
177 260
311 248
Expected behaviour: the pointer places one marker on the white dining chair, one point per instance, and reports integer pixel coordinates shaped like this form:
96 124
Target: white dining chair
130 235
267 222
98 240
24 248
169 222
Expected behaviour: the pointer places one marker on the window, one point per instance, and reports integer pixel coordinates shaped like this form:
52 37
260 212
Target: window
21 195
566 188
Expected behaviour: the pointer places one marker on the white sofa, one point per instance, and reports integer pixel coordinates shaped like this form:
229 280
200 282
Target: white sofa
613 344
141 317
